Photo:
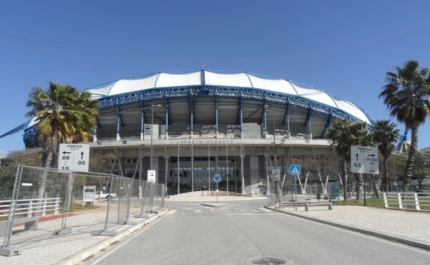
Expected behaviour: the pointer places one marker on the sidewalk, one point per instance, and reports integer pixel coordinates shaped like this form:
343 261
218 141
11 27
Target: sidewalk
408 227
71 248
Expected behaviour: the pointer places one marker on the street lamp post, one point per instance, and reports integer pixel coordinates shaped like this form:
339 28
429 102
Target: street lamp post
278 199
152 127
274 150
226 164
178 169
234 171
209 168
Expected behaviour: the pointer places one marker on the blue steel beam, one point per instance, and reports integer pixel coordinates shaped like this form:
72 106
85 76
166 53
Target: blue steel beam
263 118
308 117
327 125
15 130
252 114
287 116
120 122
142 116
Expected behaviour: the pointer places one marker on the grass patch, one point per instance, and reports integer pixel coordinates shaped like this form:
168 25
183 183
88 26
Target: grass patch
379 203
78 208
371 202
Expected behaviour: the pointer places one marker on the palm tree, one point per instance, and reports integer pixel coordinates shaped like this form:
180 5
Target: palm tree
339 134
386 135
405 95
63 115
344 134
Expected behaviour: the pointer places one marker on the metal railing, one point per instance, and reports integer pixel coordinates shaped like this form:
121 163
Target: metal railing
407 200
31 207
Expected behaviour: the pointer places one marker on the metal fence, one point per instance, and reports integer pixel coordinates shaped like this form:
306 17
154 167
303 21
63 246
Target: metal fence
407 200
46 203
147 198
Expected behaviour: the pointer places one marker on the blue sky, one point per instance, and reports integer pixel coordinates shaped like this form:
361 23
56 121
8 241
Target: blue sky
342 47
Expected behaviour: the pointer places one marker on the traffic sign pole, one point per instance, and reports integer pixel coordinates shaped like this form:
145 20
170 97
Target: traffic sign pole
217 178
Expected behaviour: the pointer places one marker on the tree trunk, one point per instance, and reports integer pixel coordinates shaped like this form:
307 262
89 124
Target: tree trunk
359 187
344 169
385 165
411 158
376 182
44 175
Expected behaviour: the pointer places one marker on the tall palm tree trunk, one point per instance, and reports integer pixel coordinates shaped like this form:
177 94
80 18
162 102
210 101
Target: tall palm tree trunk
344 169
411 158
359 187
385 166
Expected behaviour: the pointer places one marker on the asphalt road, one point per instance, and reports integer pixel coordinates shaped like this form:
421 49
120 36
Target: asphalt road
244 231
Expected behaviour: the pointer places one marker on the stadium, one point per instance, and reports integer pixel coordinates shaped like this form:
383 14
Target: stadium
191 126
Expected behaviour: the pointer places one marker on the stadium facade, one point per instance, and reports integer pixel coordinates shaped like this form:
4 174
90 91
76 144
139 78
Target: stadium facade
191 126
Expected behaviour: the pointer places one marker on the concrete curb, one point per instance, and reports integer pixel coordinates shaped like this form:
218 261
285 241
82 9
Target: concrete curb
83 254
215 205
397 239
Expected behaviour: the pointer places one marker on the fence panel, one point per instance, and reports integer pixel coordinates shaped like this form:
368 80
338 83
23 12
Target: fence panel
37 206
47 203
86 215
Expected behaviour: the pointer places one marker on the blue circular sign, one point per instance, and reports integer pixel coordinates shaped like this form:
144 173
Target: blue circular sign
217 177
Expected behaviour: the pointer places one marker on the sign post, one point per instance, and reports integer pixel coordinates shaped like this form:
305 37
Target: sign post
217 178
295 170
364 160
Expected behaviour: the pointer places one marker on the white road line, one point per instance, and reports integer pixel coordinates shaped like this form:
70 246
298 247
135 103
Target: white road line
172 211
118 247
255 214
198 211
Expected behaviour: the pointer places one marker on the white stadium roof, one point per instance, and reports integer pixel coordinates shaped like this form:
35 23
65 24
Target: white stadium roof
240 80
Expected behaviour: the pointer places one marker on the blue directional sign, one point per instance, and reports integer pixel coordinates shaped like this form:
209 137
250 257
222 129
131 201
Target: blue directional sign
217 177
295 170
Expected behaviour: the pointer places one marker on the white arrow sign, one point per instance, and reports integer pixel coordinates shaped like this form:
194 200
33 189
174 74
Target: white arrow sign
364 160
74 157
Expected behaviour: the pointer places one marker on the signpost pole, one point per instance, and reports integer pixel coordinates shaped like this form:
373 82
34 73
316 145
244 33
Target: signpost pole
217 194
364 179
217 179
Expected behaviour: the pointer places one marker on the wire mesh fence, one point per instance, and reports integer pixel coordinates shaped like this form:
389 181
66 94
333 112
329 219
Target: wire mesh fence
46 203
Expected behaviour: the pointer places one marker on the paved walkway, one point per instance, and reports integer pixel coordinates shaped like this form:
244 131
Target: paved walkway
408 225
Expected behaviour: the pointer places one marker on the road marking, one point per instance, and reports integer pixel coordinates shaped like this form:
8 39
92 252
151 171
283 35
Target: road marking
121 245
255 214
265 210
172 212
198 211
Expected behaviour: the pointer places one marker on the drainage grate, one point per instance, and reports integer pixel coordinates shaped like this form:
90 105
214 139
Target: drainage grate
269 261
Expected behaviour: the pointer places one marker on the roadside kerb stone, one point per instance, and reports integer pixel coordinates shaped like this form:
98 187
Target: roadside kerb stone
215 205
83 254
378 234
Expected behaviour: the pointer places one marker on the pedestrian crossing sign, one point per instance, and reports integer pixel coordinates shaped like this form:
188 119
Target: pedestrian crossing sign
295 170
